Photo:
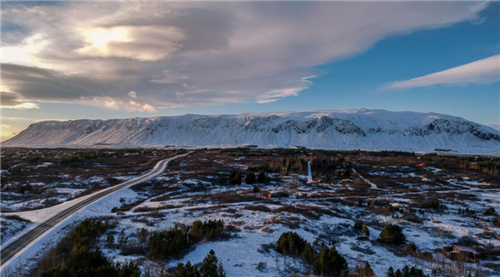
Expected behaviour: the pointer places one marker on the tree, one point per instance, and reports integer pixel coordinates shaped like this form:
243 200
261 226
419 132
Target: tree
143 235
490 211
211 266
111 240
187 270
392 234
250 178
365 231
364 271
412 247
390 273
330 263
262 178
122 238
235 177
256 189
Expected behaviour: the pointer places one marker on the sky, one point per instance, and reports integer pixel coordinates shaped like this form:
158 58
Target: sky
101 60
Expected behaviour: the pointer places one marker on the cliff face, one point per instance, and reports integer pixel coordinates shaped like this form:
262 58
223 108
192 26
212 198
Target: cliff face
349 129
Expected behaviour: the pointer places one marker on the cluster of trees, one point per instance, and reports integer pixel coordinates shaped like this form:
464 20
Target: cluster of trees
327 263
176 241
406 272
490 167
320 165
86 262
211 267
77 255
364 271
392 234
235 177
466 212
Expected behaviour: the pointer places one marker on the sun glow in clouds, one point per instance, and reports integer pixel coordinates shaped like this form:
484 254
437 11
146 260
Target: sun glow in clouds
100 39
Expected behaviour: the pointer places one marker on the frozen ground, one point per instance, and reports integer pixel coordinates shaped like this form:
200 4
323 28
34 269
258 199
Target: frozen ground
196 188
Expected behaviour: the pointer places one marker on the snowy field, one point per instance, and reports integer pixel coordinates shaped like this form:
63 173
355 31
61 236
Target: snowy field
379 191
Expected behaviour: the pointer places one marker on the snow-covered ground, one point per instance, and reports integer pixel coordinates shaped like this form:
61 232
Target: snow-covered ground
323 213
37 249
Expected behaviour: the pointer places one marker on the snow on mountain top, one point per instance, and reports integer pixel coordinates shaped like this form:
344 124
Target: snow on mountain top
326 129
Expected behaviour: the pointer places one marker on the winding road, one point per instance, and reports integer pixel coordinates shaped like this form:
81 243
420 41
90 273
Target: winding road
19 244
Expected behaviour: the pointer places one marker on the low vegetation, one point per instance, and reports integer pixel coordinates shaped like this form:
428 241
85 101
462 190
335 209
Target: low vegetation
328 262
78 255
176 241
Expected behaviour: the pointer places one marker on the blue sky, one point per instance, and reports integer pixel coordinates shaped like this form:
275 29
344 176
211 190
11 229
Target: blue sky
252 66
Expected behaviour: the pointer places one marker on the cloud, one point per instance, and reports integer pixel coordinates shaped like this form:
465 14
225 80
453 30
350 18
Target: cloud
478 72
23 106
179 54
266 101
14 101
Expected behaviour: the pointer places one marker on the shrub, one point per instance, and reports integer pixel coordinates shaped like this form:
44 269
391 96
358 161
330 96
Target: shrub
412 247
490 211
358 224
431 204
392 234
365 231
256 189
496 222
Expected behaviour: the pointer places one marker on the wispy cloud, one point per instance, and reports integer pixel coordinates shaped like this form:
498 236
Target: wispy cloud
22 106
478 72
175 54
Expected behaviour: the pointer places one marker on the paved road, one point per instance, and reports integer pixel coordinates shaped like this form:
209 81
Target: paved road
14 247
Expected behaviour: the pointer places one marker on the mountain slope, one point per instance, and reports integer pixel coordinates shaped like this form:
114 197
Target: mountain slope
347 129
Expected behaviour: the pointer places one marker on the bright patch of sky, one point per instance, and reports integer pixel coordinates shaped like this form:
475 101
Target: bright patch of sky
97 60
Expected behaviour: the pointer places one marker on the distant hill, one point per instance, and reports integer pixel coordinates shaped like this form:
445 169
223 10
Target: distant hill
345 129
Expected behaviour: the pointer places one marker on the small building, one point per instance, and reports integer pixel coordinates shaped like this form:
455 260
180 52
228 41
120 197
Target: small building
462 253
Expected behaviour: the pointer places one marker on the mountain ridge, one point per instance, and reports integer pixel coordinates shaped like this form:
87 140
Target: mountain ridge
327 129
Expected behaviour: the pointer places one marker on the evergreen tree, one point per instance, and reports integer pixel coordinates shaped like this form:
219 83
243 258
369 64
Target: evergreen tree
143 235
211 266
262 178
110 240
250 178
256 189
330 263
187 270
122 239
392 234
365 231
235 177
390 273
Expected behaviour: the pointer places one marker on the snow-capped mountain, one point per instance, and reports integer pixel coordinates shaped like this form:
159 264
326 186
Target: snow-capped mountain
346 129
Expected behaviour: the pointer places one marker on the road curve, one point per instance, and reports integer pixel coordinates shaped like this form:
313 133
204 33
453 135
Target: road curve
19 244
